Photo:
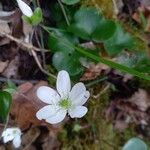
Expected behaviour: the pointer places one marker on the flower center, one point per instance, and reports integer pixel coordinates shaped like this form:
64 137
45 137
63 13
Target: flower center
14 131
65 103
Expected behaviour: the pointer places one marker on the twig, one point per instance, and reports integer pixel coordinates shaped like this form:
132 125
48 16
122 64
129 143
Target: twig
40 66
96 81
38 3
21 43
29 47
30 143
116 11
17 81
102 92
41 45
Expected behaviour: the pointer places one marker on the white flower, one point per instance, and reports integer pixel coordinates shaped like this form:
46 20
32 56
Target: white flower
12 134
26 10
63 100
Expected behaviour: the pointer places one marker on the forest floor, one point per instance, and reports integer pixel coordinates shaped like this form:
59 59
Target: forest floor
119 105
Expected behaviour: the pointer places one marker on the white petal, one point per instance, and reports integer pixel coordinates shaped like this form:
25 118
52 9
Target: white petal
48 95
26 10
46 112
17 141
78 94
63 84
78 112
8 138
77 90
58 117
8 135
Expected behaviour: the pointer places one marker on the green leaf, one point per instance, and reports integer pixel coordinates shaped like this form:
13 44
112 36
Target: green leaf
119 41
69 62
104 30
10 87
135 144
61 41
35 19
26 19
55 44
37 16
65 57
85 22
5 102
70 2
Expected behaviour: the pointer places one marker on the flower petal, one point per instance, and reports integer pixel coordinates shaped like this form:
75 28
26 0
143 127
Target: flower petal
63 84
17 141
78 112
58 117
77 89
26 10
48 95
46 112
8 135
78 94
8 138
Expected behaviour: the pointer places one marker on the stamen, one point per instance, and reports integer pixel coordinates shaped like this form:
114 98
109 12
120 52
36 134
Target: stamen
64 103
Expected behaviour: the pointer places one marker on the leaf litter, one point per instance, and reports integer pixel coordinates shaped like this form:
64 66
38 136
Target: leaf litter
121 105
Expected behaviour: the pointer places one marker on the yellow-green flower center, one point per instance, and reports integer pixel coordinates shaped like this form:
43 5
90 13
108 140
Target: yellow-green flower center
65 103
14 131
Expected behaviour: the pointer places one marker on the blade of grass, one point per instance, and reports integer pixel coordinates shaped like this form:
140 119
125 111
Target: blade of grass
113 64
110 63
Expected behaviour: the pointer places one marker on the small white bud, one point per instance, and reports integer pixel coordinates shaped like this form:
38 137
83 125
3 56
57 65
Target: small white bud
26 10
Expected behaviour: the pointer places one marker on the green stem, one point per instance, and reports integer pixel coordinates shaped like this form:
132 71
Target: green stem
6 124
64 12
96 81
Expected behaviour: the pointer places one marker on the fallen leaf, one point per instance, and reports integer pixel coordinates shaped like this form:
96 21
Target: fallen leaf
3 66
145 10
26 104
126 111
12 69
30 137
93 71
52 142
141 99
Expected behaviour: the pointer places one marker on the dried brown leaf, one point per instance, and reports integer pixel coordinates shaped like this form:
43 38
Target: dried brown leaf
132 110
3 66
26 104
93 71
30 137
141 99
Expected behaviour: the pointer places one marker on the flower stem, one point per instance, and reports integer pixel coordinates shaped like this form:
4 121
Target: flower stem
64 12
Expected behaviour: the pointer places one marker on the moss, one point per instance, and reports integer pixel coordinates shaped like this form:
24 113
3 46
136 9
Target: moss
105 6
144 84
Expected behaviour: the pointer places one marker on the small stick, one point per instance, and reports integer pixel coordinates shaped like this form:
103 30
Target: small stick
116 11
22 43
31 48
17 81
40 66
